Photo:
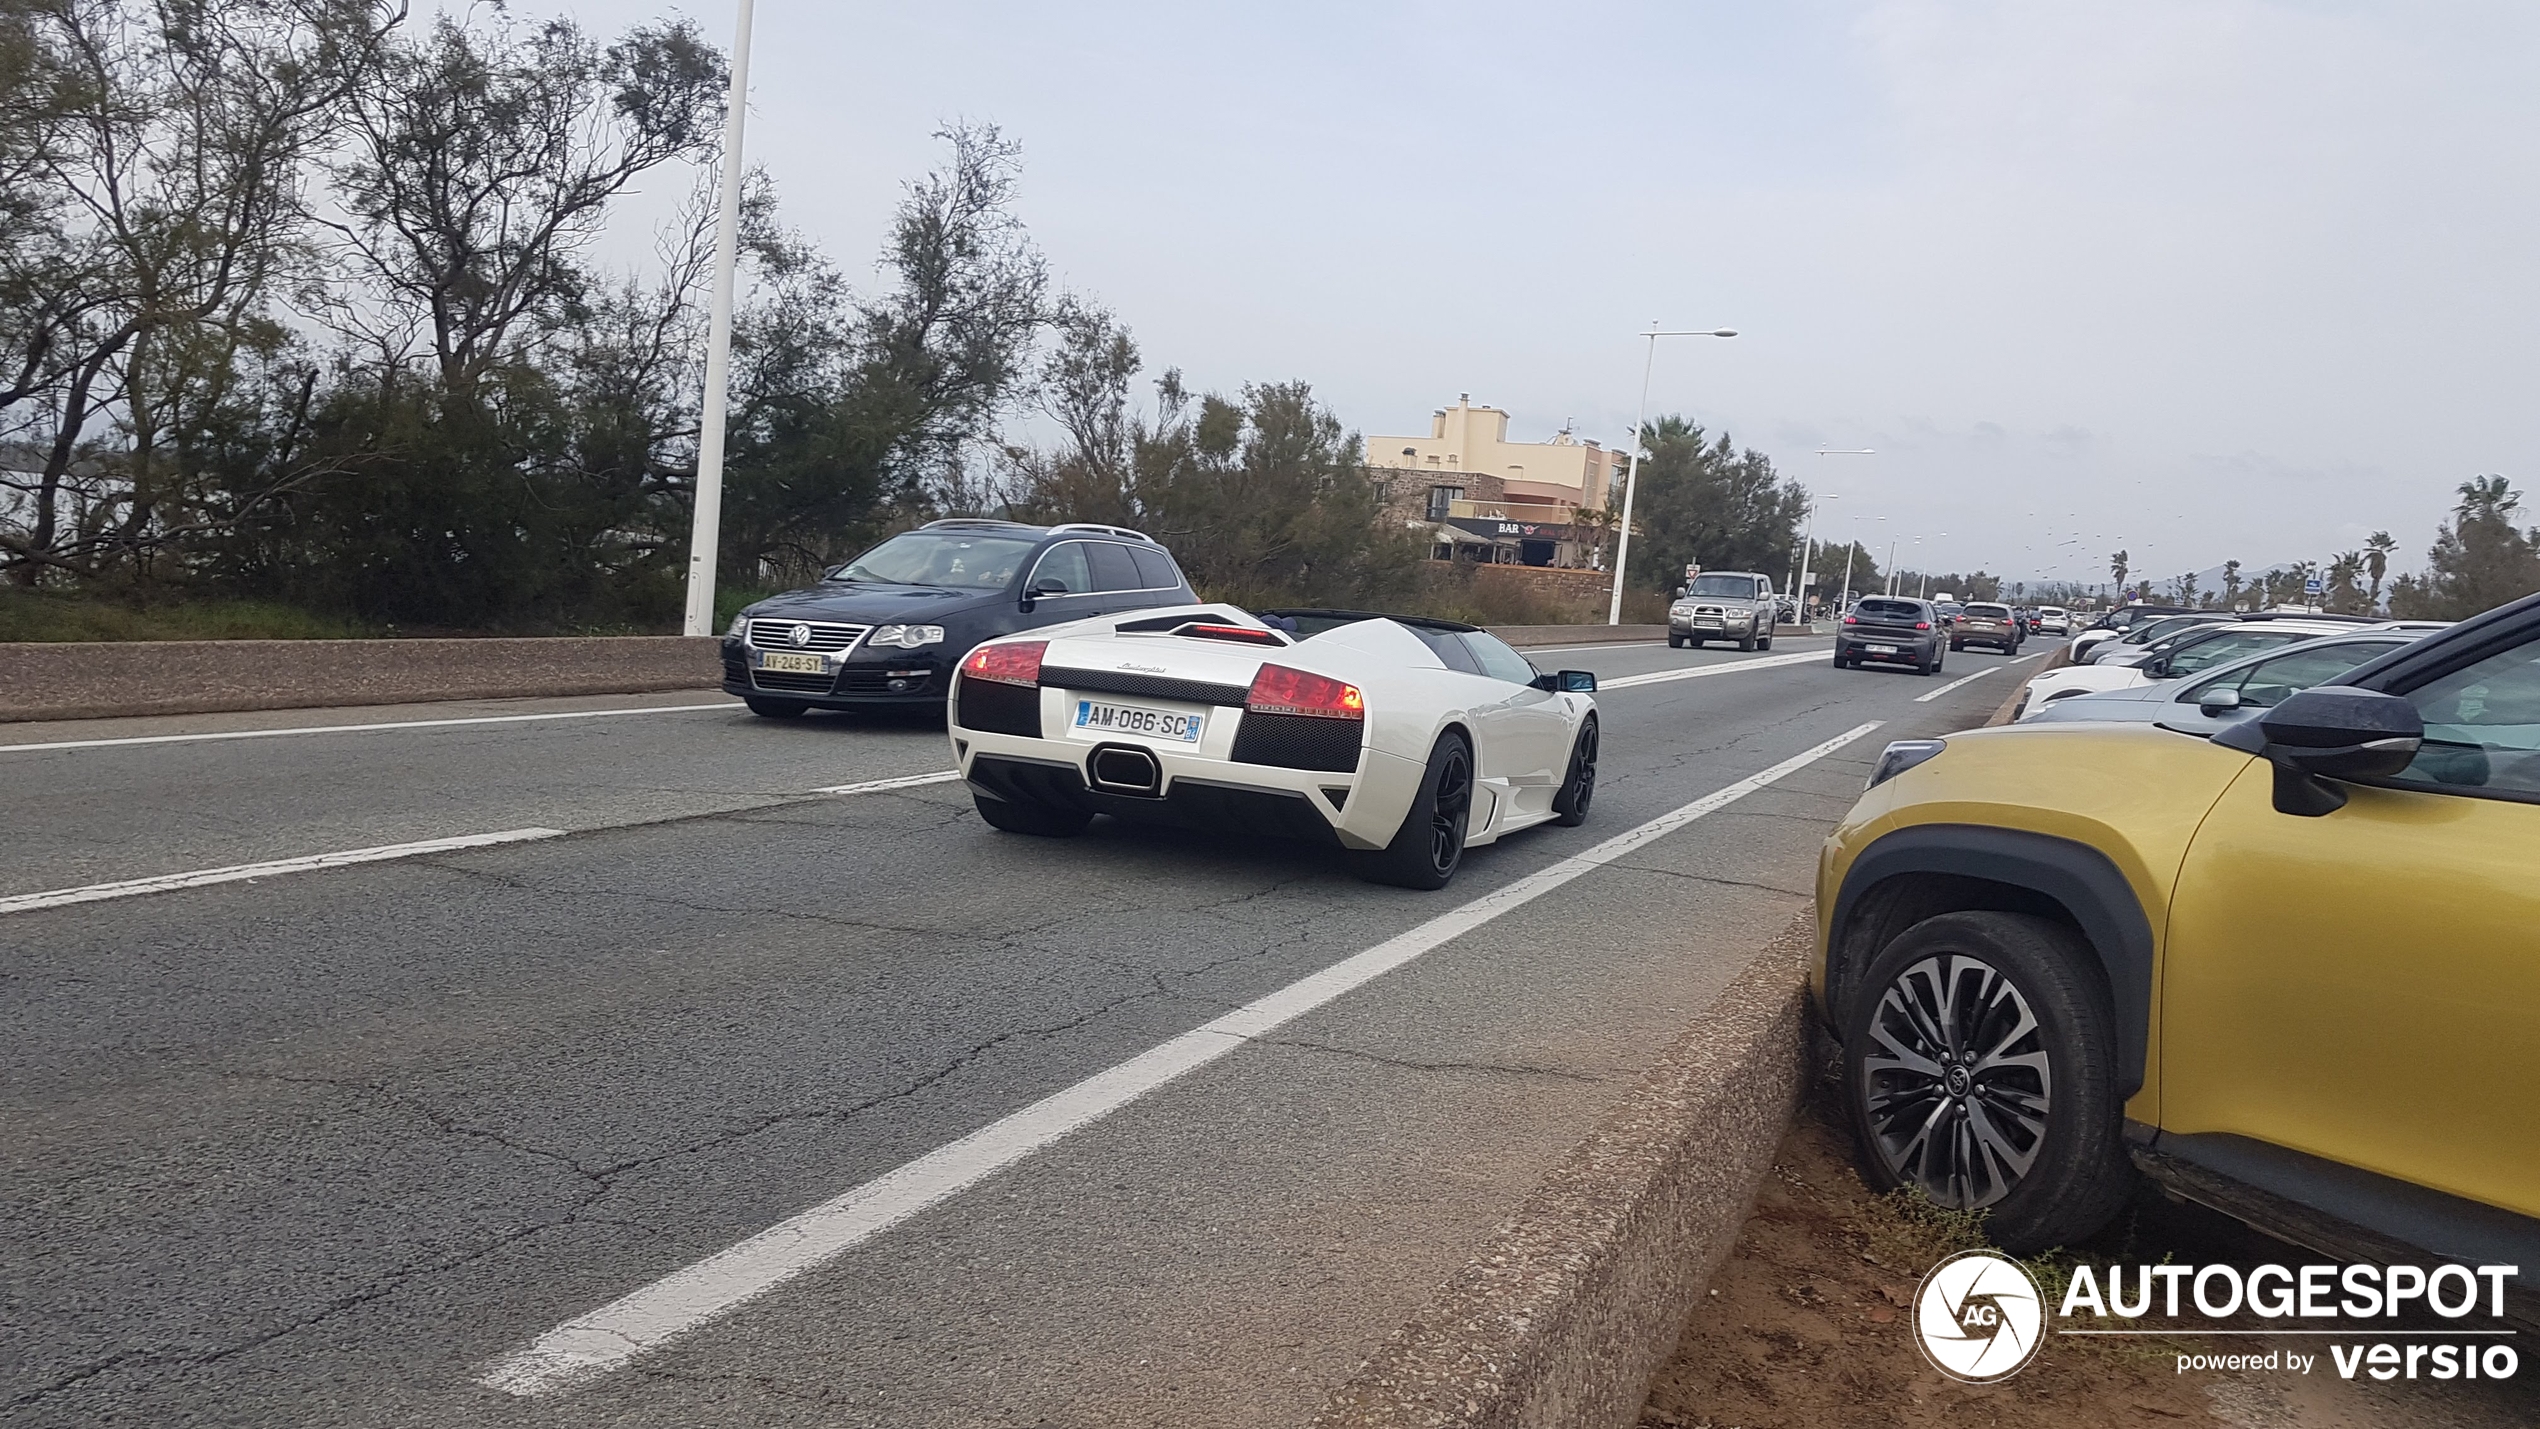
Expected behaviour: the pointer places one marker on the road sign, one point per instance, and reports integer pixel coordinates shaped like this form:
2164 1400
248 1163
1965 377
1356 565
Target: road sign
2314 586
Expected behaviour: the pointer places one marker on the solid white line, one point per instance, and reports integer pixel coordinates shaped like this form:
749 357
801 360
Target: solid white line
362 728
1698 671
1970 679
166 882
876 786
609 1337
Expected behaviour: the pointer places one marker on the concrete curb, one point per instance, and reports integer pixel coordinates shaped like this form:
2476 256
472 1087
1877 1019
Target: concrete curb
1522 636
84 680
1577 1300
2011 701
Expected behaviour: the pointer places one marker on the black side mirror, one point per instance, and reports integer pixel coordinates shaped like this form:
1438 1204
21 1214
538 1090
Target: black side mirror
2325 734
1578 682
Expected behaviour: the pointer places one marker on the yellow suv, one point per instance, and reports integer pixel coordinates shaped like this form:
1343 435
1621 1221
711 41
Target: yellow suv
2292 971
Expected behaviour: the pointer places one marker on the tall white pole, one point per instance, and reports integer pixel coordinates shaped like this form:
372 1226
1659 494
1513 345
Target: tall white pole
706 526
1807 550
1631 485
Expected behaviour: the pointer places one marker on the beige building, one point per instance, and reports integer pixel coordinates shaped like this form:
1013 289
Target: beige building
1466 472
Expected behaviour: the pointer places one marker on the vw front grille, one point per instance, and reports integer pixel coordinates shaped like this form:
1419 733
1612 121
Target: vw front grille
821 635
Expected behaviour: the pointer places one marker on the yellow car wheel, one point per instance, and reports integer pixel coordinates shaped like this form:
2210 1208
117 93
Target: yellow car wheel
1980 1067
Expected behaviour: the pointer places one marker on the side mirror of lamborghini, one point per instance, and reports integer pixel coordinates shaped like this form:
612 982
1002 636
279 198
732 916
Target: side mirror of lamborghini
1578 682
2329 734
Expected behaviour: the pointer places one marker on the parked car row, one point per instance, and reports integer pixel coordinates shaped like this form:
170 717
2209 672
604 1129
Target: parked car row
2269 935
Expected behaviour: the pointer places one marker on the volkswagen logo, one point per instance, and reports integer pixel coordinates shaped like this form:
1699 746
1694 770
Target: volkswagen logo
799 636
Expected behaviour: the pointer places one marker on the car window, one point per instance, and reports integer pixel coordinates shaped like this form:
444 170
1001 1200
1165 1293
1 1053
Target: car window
959 559
1112 568
1989 612
1156 570
1723 587
2207 654
1449 648
2271 682
1498 661
1890 610
1064 566
2482 726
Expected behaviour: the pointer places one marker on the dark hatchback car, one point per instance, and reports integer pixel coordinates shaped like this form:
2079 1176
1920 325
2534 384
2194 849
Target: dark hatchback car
887 629
1891 630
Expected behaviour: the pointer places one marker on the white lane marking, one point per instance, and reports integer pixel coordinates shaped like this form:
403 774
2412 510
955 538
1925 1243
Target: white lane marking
236 873
609 1337
1971 679
361 728
876 786
1698 671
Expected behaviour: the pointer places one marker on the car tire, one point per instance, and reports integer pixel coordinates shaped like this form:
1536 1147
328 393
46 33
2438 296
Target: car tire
1840 663
1675 641
1578 783
1048 821
1429 846
2044 1176
1954 645
1746 642
1765 643
766 708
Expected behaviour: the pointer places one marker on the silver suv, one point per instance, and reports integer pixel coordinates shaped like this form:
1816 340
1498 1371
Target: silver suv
1723 605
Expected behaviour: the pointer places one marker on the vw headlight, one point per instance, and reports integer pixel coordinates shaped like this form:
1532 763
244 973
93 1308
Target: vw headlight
907 637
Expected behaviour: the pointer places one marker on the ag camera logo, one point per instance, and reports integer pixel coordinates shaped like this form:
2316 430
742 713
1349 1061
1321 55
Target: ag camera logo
1979 1317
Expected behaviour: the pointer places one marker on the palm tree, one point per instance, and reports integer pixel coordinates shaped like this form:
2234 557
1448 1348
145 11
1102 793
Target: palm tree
2117 568
2377 549
2340 594
2231 585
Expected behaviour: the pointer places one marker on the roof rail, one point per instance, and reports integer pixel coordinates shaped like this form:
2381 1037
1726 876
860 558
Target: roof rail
958 521
1121 531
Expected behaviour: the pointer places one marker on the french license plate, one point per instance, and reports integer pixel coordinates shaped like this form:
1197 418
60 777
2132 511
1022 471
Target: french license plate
792 663
1882 649
1095 717
1708 623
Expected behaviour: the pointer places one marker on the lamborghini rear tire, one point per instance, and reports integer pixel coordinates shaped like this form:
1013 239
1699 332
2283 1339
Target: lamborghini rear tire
1041 820
1429 846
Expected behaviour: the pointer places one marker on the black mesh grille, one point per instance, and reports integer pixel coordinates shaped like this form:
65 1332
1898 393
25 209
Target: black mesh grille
736 671
1161 687
791 683
1298 741
999 709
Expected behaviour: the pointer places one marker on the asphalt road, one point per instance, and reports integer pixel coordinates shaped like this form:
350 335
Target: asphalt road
325 1147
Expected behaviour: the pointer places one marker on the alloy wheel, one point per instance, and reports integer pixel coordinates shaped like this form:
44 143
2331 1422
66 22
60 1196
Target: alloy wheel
1959 1085
1583 776
1449 809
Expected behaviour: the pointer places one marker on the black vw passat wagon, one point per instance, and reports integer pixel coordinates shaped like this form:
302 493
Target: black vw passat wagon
887 629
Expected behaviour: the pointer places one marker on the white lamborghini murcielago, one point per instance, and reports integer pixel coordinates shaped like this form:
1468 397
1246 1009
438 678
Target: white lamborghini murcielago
1402 740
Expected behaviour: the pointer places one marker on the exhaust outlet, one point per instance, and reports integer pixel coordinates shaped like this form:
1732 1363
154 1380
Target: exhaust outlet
1124 769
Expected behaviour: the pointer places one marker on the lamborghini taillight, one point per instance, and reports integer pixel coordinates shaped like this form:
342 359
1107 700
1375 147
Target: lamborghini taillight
1280 690
1016 662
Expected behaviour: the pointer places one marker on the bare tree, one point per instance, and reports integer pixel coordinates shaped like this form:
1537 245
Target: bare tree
482 164
155 166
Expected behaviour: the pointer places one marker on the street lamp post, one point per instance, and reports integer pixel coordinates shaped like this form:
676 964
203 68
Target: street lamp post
705 527
1631 473
1808 543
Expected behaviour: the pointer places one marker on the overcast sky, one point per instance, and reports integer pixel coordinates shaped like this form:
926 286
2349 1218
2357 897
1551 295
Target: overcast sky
2208 279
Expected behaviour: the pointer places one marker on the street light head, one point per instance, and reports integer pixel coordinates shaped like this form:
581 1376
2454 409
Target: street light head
1724 332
